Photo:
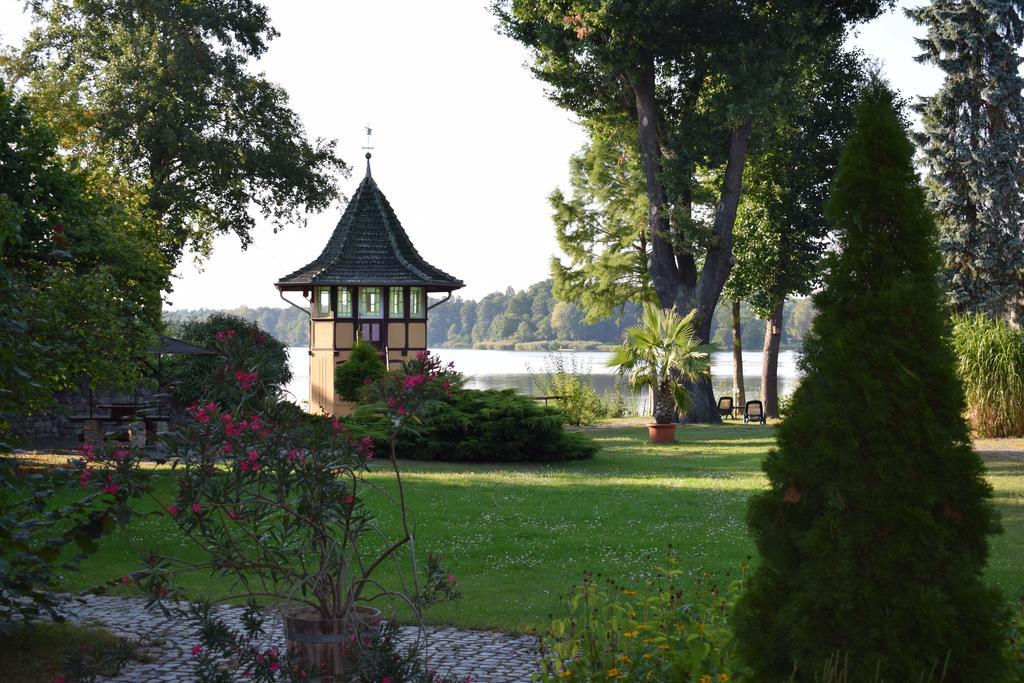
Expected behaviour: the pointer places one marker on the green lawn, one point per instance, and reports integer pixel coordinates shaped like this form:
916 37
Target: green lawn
518 536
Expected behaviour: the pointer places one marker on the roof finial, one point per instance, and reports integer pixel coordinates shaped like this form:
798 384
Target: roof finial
369 132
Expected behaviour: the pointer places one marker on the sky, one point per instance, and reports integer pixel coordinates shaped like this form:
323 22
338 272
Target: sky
467 147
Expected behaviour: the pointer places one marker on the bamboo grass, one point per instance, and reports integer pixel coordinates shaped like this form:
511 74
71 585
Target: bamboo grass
990 363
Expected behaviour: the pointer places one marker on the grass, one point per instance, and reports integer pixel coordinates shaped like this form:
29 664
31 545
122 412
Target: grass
519 536
38 654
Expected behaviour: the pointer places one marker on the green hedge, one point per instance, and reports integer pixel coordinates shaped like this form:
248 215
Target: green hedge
487 426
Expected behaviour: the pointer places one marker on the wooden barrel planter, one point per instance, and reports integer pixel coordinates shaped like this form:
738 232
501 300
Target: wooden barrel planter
320 643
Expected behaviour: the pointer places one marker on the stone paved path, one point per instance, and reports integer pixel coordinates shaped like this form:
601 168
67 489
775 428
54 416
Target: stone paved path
486 656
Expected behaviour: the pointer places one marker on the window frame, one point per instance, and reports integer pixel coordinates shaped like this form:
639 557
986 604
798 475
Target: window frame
417 302
339 312
400 300
364 303
319 312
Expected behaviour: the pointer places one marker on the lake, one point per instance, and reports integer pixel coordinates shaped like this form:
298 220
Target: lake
518 369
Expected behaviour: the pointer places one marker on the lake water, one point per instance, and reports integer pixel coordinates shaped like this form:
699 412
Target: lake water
518 370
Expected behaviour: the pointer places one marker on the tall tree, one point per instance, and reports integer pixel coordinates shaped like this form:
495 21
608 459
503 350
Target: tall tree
781 233
689 80
161 92
973 145
602 227
873 537
79 274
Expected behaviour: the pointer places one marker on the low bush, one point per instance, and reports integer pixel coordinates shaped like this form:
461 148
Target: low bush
662 631
485 426
362 366
567 378
990 363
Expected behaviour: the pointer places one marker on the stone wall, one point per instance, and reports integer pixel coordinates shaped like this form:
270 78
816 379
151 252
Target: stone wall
63 424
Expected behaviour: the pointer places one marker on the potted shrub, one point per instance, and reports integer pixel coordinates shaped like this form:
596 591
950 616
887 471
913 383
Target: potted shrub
657 354
277 498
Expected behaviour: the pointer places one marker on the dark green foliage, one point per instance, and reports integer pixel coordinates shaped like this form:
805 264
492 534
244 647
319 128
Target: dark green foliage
240 347
80 279
873 532
973 145
364 364
162 93
489 426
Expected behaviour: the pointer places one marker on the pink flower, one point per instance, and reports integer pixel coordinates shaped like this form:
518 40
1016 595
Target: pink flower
111 487
226 417
349 500
126 580
83 478
232 514
245 379
293 455
335 424
256 467
196 650
446 384
228 448
219 336
451 578
173 510
274 666
211 406
391 402
88 451
120 454
401 410
386 679
253 455
244 465
195 508
264 433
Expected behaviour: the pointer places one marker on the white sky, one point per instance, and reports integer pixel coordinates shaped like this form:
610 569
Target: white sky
467 148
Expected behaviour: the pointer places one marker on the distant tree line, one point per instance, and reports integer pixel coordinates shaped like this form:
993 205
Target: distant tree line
527 319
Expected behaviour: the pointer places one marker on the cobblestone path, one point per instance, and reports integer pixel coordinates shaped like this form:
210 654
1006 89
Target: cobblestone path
486 656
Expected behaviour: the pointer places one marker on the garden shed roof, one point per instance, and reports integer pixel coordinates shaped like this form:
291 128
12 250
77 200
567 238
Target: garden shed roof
369 247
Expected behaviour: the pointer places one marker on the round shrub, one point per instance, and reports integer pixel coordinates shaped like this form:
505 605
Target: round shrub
246 361
363 365
990 362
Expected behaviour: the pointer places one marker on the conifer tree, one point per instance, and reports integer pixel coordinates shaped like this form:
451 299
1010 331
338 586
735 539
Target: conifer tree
974 147
873 533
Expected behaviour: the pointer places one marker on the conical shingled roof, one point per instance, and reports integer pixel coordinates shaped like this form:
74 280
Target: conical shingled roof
369 247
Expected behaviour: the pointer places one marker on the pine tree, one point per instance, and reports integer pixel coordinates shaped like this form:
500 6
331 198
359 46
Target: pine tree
974 147
873 532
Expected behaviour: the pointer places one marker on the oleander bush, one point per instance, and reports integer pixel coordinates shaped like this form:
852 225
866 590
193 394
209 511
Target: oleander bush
246 362
990 362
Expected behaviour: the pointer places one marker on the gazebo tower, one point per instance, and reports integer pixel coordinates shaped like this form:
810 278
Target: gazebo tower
369 282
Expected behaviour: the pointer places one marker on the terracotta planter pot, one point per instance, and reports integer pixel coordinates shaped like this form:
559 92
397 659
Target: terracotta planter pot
319 643
661 433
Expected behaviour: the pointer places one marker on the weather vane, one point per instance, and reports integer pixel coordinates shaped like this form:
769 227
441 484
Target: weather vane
369 132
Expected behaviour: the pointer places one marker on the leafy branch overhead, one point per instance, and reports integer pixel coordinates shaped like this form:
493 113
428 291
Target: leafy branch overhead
162 93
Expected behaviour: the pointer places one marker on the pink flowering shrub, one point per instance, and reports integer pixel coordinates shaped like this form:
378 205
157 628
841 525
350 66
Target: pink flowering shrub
279 500
246 362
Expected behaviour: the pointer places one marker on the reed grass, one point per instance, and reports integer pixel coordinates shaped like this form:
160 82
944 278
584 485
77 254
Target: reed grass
990 362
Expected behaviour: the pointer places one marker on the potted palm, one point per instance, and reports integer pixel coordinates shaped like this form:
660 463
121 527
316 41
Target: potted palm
657 354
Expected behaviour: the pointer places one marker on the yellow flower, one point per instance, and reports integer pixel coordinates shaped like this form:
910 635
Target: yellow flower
632 614
630 634
665 646
613 672
647 655
648 641
706 678
625 659
723 677
629 592
565 673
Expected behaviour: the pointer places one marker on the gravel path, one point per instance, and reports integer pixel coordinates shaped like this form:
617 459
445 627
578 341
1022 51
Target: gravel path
486 656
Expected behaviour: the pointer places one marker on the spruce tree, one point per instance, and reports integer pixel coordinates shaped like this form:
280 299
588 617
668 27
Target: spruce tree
974 148
873 533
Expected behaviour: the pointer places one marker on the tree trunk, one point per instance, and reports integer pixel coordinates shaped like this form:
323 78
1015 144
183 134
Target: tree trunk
770 362
674 276
739 393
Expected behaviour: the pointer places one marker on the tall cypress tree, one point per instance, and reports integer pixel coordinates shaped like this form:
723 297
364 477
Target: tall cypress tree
873 532
974 147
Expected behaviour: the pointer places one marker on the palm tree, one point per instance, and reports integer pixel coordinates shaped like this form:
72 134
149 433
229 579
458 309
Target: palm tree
657 353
